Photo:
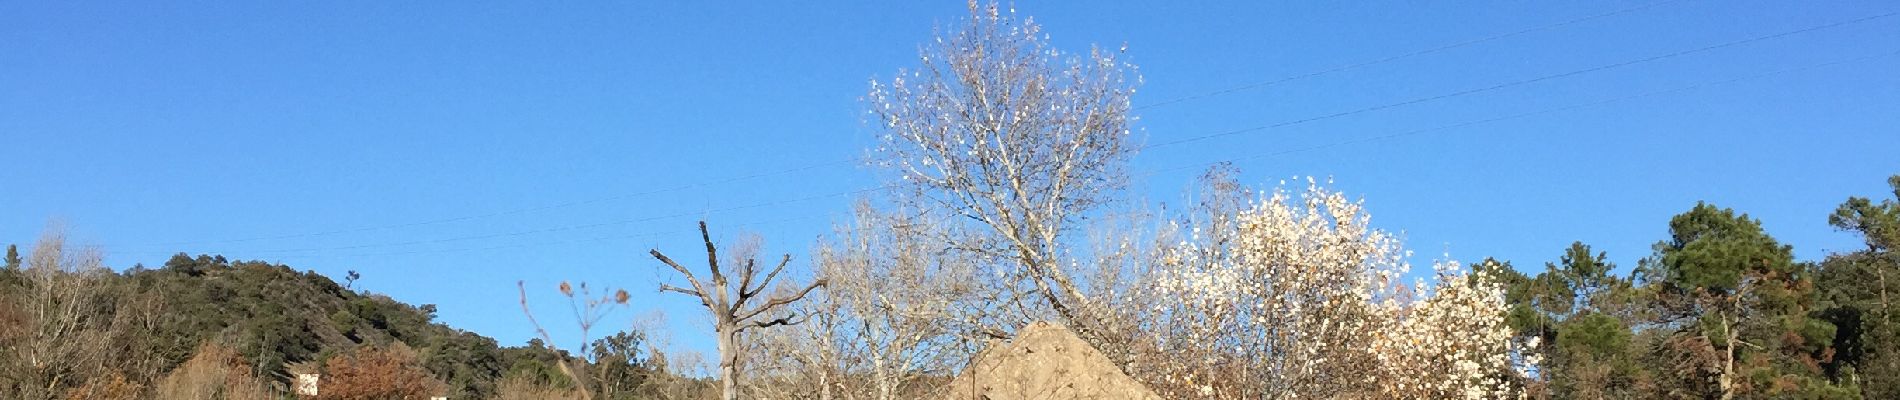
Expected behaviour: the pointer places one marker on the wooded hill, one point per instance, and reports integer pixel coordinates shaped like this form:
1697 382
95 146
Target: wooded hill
73 329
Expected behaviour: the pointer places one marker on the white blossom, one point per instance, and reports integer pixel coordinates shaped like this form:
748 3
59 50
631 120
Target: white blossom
1297 288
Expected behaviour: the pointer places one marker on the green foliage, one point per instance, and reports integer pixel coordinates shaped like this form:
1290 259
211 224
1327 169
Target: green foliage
1712 249
345 322
1865 343
1599 335
10 276
1854 295
536 363
1583 271
1748 299
1587 351
1666 330
1879 223
619 369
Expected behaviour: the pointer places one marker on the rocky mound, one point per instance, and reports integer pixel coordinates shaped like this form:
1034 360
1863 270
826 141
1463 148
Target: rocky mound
1044 361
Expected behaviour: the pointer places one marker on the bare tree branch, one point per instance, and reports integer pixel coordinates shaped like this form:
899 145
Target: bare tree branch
776 302
698 289
769 276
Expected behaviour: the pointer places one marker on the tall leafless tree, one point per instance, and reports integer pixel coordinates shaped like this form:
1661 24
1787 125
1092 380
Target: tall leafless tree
735 309
1018 137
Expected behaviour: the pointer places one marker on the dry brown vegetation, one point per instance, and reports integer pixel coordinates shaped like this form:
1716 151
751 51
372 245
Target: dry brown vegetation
214 372
523 388
373 373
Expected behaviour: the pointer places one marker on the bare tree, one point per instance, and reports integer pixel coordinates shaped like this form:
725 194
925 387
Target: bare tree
803 361
733 308
898 311
1018 137
67 322
214 372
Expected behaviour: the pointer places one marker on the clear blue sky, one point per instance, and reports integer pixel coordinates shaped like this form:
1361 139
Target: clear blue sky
157 127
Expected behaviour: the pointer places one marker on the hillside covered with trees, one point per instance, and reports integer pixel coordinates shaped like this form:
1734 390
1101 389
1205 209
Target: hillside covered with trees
198 327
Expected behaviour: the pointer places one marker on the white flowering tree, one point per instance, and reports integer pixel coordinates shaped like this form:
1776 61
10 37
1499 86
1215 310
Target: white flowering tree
1295 296
1452 342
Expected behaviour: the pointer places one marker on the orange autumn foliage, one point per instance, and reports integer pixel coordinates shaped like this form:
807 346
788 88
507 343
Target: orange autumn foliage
378 373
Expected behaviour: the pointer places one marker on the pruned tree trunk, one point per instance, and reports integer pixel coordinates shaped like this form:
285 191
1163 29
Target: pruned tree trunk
728 362
729 305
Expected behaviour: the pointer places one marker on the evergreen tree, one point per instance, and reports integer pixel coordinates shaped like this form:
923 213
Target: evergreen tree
1855 288
1575 307
1738 303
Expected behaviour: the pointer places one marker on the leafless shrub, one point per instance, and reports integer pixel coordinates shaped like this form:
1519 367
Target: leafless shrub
673 370
214 372
523 388
895 317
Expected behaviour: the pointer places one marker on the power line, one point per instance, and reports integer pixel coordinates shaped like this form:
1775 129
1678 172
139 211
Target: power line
1450 46
586 240
1414 132
1524 81
574 227
849 161
1170 143
514 211
1546 111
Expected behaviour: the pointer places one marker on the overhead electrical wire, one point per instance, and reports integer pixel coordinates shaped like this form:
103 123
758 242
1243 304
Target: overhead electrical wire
1449 46
1414 132
683 232
512 211
746 177
573 227
1169 143
1542 111
1523 82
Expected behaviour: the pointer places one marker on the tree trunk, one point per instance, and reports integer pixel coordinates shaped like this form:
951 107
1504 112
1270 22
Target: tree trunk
883 376
1727 380
728 362
1884 310
824 385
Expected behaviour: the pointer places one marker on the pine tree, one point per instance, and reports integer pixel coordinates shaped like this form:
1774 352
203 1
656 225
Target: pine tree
13 257
1739 302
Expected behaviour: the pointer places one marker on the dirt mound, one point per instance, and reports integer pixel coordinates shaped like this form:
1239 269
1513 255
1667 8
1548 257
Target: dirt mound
1044 361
